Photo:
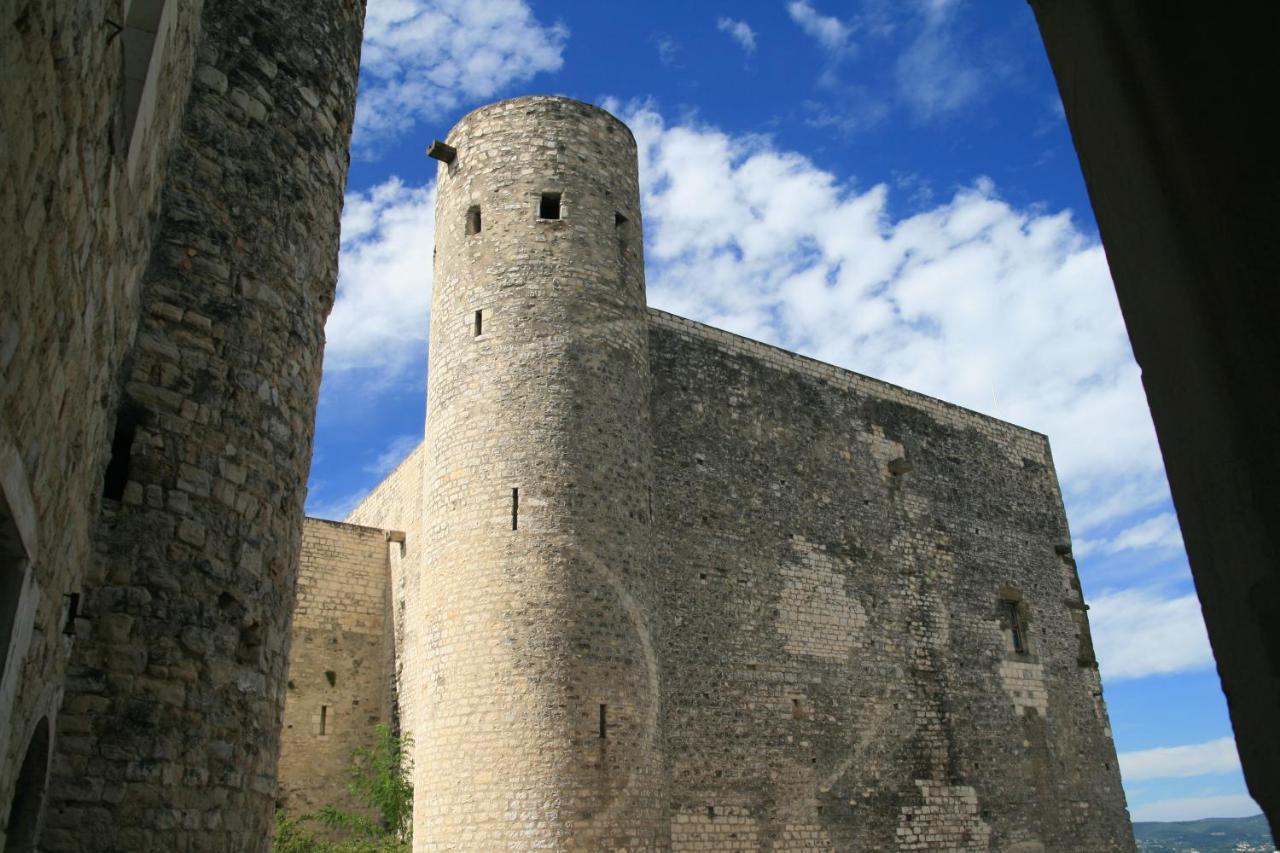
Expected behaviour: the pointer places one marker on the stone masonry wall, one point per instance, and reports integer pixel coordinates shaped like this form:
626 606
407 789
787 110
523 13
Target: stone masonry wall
838 668
535 667
339 663
396 506
77 210
175 696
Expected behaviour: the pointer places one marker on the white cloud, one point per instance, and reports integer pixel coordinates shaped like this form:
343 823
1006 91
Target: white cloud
397 449
668 49
1159 531
338 508
422 58
832 33
1197 759
384 279
1197 808
1140 632
740 31
934 75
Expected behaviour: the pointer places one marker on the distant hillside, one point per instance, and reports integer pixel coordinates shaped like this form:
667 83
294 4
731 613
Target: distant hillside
1211 835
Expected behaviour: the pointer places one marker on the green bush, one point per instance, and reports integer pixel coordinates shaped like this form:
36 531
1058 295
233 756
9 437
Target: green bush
381 780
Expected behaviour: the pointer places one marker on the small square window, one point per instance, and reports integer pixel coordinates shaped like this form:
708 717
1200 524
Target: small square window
549 206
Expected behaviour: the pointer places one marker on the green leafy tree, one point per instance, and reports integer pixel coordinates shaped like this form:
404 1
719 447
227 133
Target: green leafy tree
380 779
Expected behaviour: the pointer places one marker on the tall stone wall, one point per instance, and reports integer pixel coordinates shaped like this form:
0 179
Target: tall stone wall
535 659
340 663
396 506
176 688
79 195
838 558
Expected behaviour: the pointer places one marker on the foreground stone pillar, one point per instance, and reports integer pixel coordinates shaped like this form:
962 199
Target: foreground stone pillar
170 732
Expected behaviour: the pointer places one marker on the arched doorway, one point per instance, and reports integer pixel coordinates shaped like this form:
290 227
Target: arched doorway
23 830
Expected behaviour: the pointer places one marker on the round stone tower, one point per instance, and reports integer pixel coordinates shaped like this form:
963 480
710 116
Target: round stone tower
535 681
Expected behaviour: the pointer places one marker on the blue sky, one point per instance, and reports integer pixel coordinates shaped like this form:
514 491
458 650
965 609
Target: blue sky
888 186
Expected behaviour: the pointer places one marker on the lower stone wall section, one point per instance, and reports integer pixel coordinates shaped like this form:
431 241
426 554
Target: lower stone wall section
340 654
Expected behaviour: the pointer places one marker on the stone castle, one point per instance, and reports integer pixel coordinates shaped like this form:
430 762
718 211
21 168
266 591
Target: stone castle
645 585
648 585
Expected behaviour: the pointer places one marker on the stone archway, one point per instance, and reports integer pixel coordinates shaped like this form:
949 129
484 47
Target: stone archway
26 811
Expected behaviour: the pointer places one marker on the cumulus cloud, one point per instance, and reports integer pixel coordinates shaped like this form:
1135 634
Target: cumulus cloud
832 33
379 319
1006 311
422 58
1197 808
1140 632
1166 762
739 31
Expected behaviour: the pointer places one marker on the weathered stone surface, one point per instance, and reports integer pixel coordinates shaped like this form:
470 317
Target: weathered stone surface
340 678
127 253
77 220
836 666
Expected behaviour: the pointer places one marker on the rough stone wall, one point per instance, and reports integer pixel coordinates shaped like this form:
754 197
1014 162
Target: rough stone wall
76 216
396 506
339 663
838 670
535 658
175 691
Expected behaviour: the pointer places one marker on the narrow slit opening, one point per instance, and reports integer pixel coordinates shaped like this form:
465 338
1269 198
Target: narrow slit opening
1013 615
604 722
549 206
478 328
473 220
324 718
73 612
515 509
116 477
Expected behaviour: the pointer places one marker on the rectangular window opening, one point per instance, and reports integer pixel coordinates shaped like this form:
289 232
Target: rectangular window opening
549 206
478 328
116 477
324 717
604 722
1013 614
473 220
515 509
